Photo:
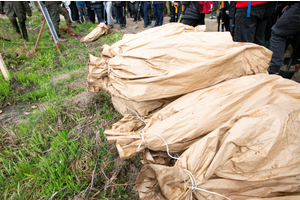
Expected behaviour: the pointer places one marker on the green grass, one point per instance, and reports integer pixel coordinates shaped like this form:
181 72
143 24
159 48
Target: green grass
47 151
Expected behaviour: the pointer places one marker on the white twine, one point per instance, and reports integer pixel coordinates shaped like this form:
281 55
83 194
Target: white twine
142 133
143 141
194 184
132 114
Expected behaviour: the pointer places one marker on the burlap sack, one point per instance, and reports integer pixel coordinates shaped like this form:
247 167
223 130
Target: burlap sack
165 64
101 29
254 155
143 108
187 119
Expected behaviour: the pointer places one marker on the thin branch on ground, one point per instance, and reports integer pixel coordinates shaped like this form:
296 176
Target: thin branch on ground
56 193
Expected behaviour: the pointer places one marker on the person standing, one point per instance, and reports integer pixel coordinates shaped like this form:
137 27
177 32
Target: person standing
157 12
287 25
53 9
108 10
17 9
120 9
146 9
98 8
251 19
74 12
82 11
134 7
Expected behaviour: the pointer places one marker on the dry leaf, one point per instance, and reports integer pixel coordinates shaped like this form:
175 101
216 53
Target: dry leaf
8 104
34 106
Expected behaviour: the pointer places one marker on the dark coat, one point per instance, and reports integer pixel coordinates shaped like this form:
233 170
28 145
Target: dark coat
18 8
191 11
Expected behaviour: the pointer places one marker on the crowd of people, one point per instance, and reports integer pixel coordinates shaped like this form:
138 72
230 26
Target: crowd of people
268 23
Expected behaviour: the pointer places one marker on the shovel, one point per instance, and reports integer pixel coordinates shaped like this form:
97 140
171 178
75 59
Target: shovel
138 16
152 24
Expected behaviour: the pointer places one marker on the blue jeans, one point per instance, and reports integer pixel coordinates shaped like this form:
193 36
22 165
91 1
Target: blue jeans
158 15
146 8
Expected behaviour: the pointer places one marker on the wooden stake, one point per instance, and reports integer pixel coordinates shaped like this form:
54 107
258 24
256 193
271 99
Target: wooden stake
40 33
3 68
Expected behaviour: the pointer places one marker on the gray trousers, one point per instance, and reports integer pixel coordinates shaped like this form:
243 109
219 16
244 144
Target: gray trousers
54 15
83 11
108 9
287 25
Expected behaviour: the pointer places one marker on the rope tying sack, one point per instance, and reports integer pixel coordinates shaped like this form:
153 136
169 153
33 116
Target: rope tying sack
142 133
143 141
108 67
194 184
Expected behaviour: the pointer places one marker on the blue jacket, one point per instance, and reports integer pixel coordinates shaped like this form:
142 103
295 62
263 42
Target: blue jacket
80 2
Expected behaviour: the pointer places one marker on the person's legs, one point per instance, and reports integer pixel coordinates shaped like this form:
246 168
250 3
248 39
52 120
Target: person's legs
23 29
14 23
134 13
80 10
286 25
108 9
123 17
98 9
84 11
245 27
54 14
146 6
262 15
155 13
160 14
119 13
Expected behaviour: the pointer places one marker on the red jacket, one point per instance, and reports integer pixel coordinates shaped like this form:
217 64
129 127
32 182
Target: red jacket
244 4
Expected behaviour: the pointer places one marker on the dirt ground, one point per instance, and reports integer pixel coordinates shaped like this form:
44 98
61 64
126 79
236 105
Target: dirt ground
211 25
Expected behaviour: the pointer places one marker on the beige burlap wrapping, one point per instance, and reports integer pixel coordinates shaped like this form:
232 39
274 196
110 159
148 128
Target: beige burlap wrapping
184 121
137 41
254 155
164 63
101 29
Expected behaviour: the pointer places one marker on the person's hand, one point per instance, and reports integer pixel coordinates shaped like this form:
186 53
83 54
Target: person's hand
132 1
1 15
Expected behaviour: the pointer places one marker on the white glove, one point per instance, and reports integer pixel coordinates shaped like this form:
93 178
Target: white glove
227 12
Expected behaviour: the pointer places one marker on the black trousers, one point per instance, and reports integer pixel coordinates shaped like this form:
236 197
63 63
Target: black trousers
251 29
121 14
74 11
287 25
22 26
134 8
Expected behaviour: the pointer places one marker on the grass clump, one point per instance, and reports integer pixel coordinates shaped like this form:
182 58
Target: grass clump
50 146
